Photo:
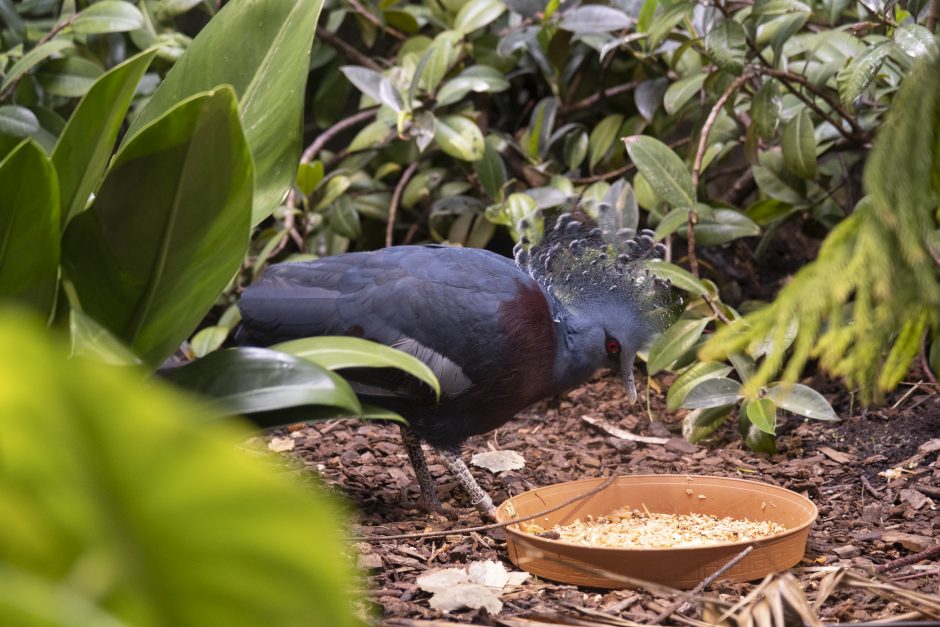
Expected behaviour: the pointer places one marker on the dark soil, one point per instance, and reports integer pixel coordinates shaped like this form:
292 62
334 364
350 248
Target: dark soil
865 518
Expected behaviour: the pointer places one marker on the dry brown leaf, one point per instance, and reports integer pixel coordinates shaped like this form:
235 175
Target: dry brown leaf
281 445
499 461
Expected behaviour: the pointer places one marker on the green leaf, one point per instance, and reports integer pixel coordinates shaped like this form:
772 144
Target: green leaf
682 91
727 46
765 109
713 393
477 14
344 219
698 372
17 121
374 85
92 341
763 414
672 222
595 18
478 78
663 170
336 353
774 179
769 210
268 71
915 40
92 508
602 138
575 148
444 52
246 380
151 274
309 176
491 170
33 58
207 340
108 16
680 277
459 137
84 147
698 424
858 74
799 145
724 225
29 228
674 343
334 188
647 13
372 136
802 400
663 24
754 438
69 77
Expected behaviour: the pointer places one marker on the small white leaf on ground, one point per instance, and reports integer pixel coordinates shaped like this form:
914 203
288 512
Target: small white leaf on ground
488 573
499 461
469 595
280 445
476 586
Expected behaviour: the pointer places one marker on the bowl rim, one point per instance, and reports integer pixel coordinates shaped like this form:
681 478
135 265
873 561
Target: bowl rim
740 543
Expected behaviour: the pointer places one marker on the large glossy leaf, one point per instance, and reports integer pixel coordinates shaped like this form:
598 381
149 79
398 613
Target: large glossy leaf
336 353
168 229
799 145
84 147
801 399
698 372
763 414
663 170
459 137
122 500
108 16
32 58
674 343
91 340
69 77
268 70
595 18
602 138
479 78
727 44
724 225
29 228
765 109
477 14
682 91
248 380
713 393
754 438
17 121
855 77
700 423
680 277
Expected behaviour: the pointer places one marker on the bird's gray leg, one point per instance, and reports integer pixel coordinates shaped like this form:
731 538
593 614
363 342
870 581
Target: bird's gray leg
478 497
429 501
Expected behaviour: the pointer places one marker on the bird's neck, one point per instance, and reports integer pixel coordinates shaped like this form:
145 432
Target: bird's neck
573 363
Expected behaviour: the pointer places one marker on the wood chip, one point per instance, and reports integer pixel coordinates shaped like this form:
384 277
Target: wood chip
836 456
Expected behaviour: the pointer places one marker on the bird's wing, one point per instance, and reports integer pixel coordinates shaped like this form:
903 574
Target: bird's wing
441 305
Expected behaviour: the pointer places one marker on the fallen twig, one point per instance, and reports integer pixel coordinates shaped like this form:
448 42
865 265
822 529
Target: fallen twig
622 434
477 529
396 198
682 602
930 553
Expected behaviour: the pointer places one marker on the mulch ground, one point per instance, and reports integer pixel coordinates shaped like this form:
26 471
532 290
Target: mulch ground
866 519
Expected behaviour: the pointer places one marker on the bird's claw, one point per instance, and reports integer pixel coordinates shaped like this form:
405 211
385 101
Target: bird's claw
486 508
437 509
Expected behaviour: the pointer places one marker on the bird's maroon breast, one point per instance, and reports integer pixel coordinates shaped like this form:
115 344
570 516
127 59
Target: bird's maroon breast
529 346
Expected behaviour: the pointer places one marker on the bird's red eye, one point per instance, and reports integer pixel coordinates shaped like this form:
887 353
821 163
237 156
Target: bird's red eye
613 347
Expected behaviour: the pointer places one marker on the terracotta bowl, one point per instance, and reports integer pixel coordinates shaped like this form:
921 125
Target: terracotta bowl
604 567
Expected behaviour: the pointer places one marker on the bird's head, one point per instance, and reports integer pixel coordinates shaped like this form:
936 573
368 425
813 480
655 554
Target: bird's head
615 305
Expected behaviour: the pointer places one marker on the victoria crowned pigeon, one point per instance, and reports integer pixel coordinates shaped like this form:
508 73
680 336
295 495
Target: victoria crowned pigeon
499 335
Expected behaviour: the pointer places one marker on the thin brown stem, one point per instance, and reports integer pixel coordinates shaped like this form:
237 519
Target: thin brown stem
477 529
346 50
687 597
369 17
857 134
593 99
924 362
932 15
710 122
323 138
61 25
396 198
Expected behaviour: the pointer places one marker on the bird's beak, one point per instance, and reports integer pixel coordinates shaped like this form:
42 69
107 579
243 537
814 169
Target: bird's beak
626 372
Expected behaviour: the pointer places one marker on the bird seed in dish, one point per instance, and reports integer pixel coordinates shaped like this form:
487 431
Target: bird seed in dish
635 529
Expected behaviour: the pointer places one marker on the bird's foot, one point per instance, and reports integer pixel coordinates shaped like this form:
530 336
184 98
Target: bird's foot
436 509
486 508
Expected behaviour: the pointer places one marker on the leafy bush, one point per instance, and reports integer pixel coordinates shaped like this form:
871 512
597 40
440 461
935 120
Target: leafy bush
121 504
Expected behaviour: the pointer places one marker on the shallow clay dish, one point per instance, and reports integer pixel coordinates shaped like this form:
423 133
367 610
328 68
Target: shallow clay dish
669 494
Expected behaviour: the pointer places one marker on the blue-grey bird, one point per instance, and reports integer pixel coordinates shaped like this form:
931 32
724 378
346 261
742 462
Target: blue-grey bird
498 335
